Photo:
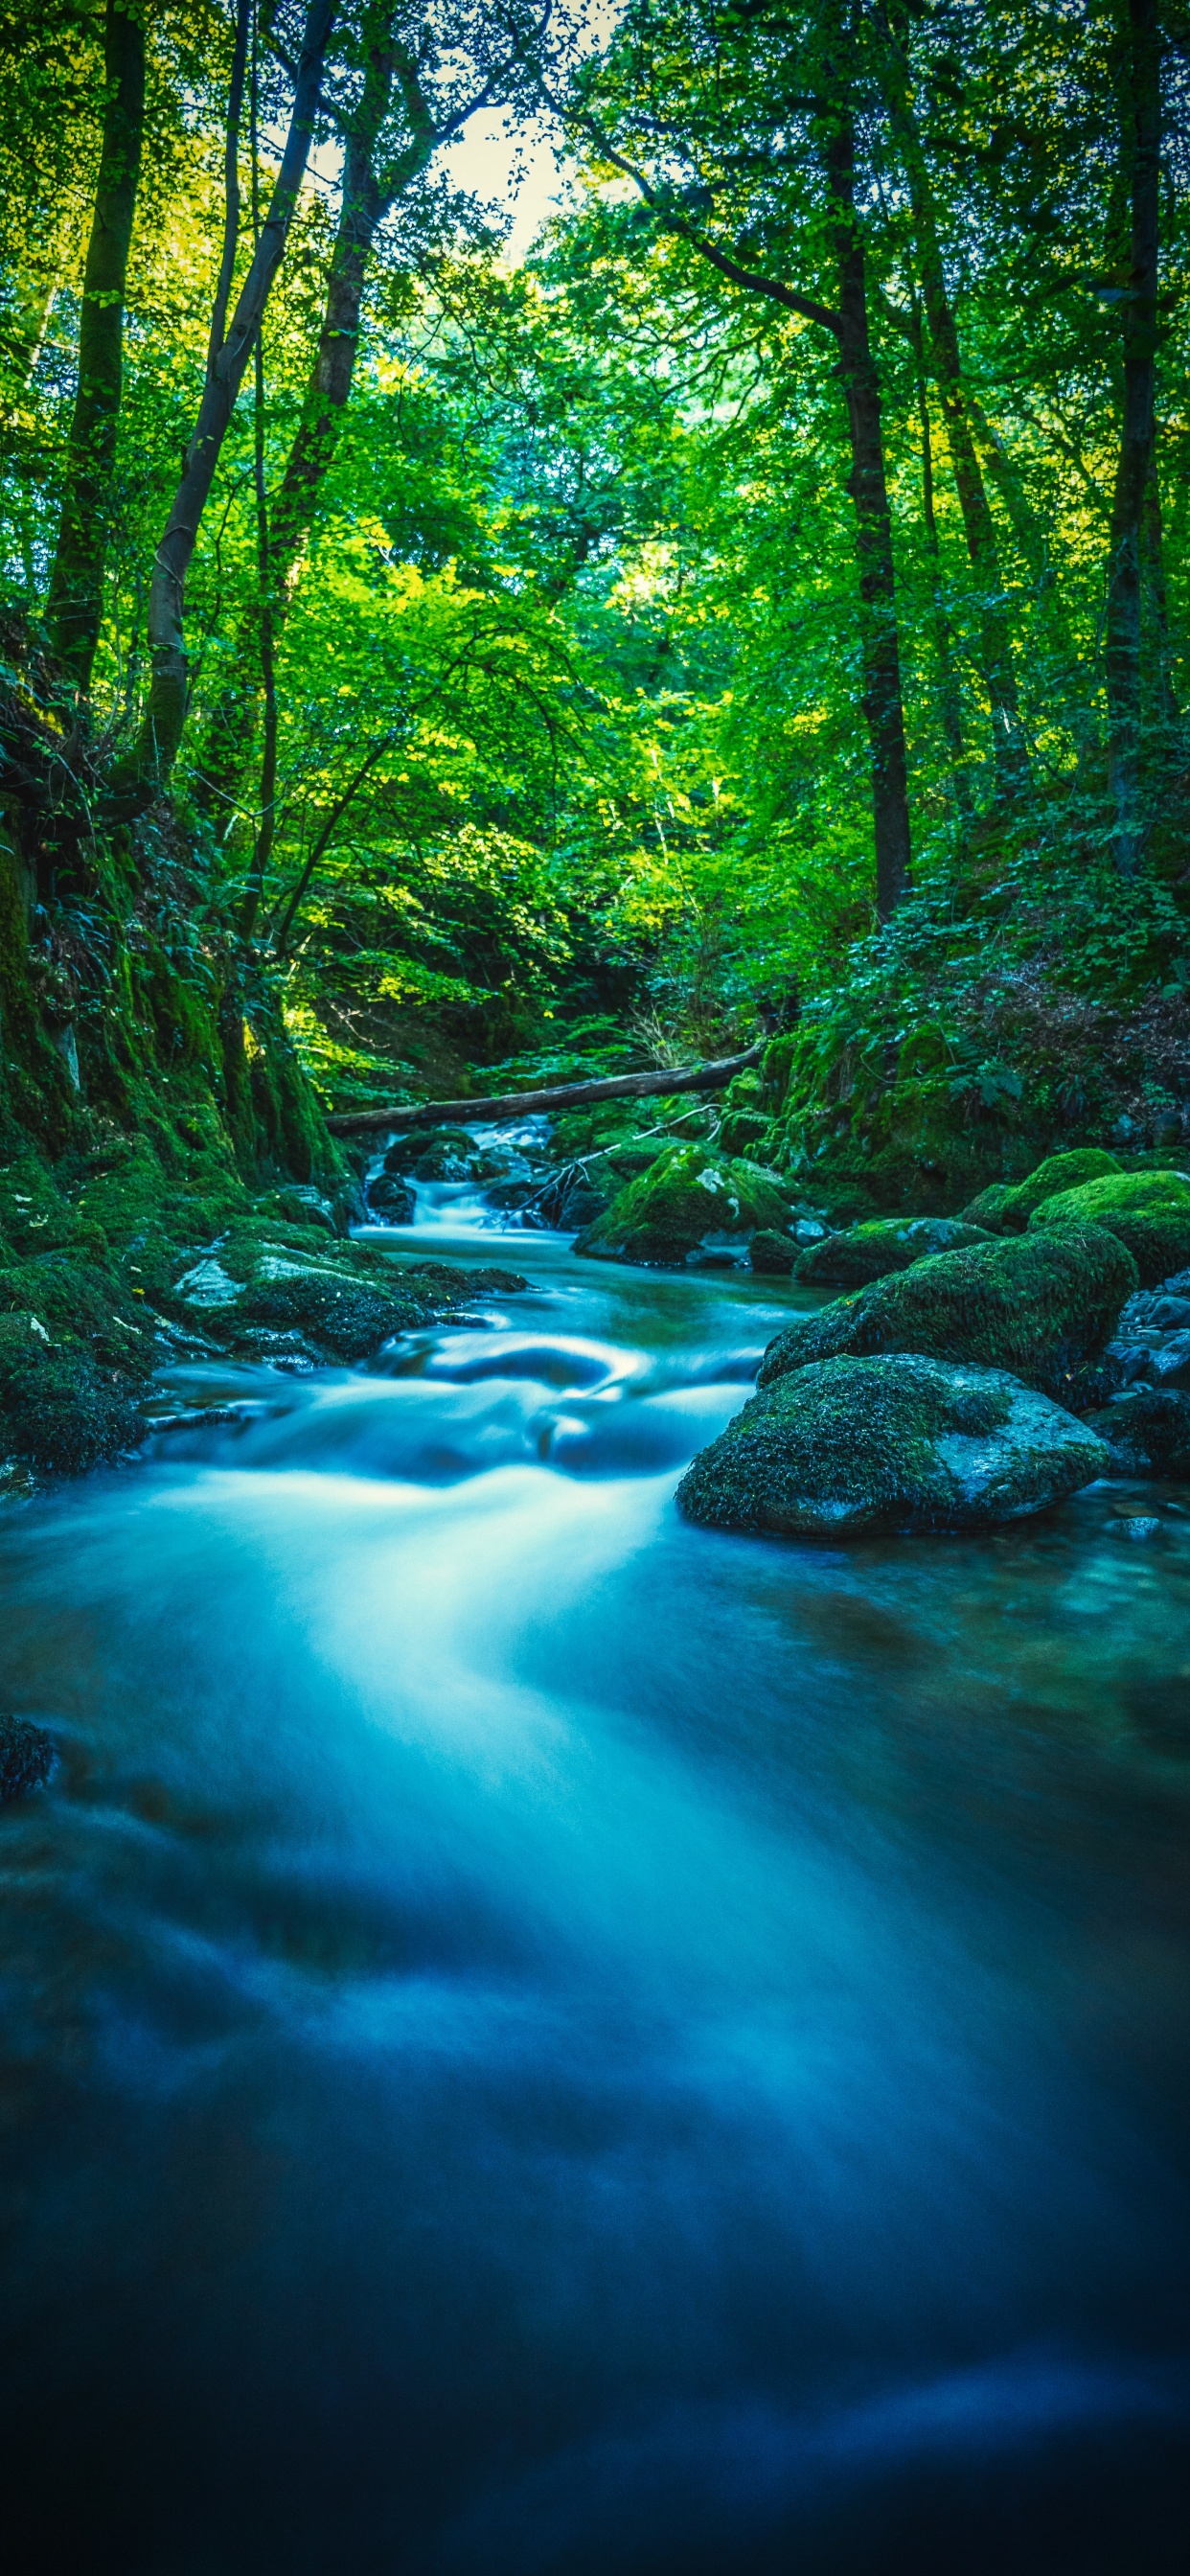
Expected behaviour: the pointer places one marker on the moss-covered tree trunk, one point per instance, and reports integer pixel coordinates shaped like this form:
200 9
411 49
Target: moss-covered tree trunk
75 604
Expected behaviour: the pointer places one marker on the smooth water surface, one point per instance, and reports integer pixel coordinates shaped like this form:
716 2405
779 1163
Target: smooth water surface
538 2039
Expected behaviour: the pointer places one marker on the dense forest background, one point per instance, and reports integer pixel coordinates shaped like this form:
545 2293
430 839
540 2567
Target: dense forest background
765 604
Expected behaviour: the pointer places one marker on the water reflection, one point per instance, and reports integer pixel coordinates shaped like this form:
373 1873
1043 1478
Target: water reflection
543 2039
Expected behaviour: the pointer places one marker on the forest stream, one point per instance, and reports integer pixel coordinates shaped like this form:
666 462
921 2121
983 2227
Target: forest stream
542 2038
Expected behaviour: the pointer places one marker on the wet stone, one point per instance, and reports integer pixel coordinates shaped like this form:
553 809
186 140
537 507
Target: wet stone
26 1757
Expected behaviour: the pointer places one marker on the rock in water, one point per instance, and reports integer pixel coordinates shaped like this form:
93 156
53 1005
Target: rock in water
689 1202
898 1444
772 1255
1041 1305
26 1756
1147 1434
867 1252
391 1200
1149 1212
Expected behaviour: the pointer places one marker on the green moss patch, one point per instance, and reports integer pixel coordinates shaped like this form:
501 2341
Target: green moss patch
1007 1207
863 1445
1041 1305
689 1200
870 1251
1149 1212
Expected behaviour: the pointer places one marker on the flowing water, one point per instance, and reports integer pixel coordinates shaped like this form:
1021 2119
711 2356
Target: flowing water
539 2040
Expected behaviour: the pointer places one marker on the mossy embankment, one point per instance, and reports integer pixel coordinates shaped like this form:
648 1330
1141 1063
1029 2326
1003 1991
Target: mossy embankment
153 1114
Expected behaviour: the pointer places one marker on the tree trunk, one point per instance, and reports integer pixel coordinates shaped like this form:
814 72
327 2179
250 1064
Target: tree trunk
868 489
166 713
366 200
1008 741
75 603
1164 699
949 710
1140 154
527 1104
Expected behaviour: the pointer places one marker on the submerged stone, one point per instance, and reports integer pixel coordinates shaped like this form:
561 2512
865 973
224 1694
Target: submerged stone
849 1446
1041 1305
1149 1212
690 1203
870 1251
26 1757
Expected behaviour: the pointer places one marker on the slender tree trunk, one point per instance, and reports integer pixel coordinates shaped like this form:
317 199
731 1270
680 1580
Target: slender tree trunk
867 485
75 603
949 710
1153 568
24 339
1140 153
366 200
166 712
266 826
1008 741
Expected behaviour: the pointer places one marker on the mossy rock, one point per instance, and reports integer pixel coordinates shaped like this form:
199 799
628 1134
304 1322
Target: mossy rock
1149 1212
742 1131
1041 1305
390 1199
988 1209
61 1413
34 1214
440 1154
745 1090
849 1447
1147 1433
870 1251
64 1302
772 1256
1007 1206
689 1202
254 1288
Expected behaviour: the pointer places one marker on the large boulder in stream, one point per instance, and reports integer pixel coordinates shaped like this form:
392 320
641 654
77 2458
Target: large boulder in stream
853 1446
689 1207
1042 1305
871 1251
1149 1212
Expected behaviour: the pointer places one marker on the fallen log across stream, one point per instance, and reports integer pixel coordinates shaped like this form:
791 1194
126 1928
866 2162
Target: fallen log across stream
529 1104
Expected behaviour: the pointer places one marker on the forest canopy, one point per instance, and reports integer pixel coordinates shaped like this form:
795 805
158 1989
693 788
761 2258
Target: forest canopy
766 598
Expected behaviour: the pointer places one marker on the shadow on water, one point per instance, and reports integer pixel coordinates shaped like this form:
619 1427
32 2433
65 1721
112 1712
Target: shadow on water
541 2039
